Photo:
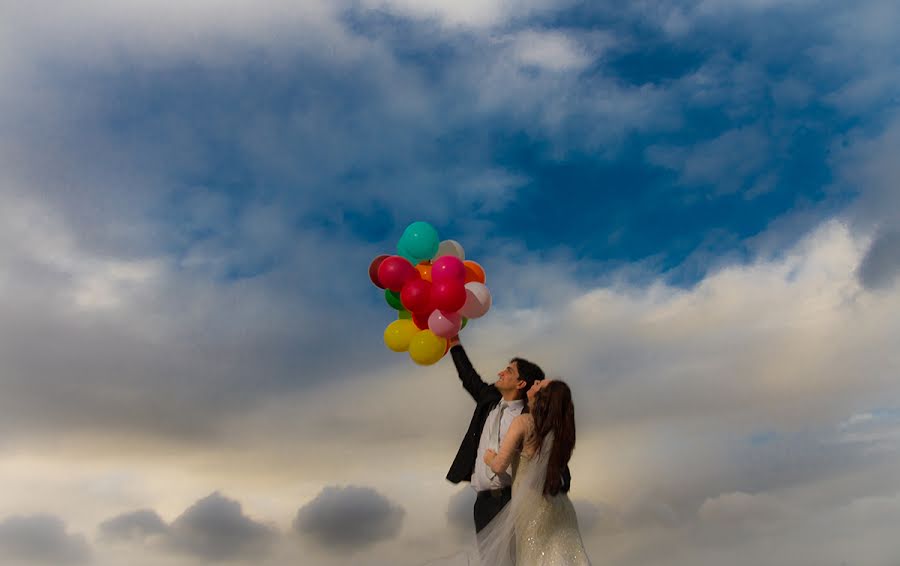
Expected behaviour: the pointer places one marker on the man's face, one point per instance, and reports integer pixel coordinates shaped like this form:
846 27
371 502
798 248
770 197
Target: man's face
508 378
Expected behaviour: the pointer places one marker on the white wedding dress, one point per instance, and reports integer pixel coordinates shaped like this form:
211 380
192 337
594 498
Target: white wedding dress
533 529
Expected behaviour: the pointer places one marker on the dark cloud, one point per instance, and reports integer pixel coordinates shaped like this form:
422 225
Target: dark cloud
349 518
41 539
880 266
133 526
215 528
460 510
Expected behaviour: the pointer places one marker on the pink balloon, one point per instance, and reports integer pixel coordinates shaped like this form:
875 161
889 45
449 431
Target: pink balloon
478 300
395 271
448 296
445 324
448 269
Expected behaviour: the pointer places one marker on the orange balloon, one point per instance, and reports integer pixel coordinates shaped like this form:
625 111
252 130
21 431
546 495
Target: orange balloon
474 272
424 270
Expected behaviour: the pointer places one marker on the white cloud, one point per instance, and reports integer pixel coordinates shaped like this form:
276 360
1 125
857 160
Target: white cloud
550 50
96 32
146 366
466 13
729 508
671 385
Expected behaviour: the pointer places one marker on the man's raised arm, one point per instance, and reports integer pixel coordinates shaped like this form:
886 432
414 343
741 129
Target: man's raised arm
467 374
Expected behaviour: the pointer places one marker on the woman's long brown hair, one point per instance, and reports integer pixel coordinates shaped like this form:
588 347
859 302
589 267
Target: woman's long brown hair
554 411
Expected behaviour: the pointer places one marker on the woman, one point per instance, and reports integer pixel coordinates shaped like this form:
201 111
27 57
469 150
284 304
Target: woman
539 526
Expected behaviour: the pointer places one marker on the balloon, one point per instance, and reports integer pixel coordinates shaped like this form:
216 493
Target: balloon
434 290
420 239
426 348
373 270
424 270
404 253
452 248
393 299
448 296
478 300
416 295
444 324
394 271
474 272
398 335
448 269
420 319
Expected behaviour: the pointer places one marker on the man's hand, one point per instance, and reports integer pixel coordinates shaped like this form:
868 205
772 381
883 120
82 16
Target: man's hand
454 340
489 456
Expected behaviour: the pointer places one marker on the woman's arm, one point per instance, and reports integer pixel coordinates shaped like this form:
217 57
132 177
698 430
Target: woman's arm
498 462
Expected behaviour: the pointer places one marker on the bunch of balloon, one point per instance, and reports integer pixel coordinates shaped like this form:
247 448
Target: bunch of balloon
434 289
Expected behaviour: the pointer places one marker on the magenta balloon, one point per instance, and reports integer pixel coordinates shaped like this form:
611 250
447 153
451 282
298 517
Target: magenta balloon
395 271
445 324
448 269
416 295
448 296
478 300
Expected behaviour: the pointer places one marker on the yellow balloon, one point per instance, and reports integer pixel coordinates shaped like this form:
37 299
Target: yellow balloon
398 334
427 348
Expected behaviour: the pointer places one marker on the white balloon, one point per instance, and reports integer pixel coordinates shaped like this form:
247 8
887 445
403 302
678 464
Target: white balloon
478 300
451 247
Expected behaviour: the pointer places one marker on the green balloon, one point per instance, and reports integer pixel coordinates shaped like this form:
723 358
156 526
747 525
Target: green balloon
393 299
404 315
420 240
464 323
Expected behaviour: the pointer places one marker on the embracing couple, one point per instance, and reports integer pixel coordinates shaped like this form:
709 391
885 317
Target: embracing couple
516 454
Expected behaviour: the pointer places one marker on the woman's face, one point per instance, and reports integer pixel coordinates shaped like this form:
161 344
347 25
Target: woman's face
538 385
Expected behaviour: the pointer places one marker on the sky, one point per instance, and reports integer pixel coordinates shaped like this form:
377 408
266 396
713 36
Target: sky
688 210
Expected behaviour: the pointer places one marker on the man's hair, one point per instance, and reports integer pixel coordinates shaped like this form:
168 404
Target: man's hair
529 373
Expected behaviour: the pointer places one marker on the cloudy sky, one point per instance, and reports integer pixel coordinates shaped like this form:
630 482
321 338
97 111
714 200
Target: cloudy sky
687 209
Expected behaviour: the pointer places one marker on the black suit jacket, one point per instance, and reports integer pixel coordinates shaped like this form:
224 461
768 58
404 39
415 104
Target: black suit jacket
486 397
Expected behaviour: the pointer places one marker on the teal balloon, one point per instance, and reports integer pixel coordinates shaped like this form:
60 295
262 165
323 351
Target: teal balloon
465 321
393 299
420 239
402 252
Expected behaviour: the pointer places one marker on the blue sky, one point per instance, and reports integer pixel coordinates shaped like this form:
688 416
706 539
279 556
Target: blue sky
687 209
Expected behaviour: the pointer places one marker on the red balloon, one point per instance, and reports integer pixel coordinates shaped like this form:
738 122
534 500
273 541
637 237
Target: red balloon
448 296
420 319
395 271
448 269
416 295
373 270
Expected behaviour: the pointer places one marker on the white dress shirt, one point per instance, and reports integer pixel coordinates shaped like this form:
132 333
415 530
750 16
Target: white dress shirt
483 477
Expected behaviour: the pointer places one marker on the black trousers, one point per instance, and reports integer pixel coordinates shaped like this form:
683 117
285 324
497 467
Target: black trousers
488 504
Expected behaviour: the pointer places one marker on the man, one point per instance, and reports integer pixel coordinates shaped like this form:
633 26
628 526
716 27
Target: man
495 408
